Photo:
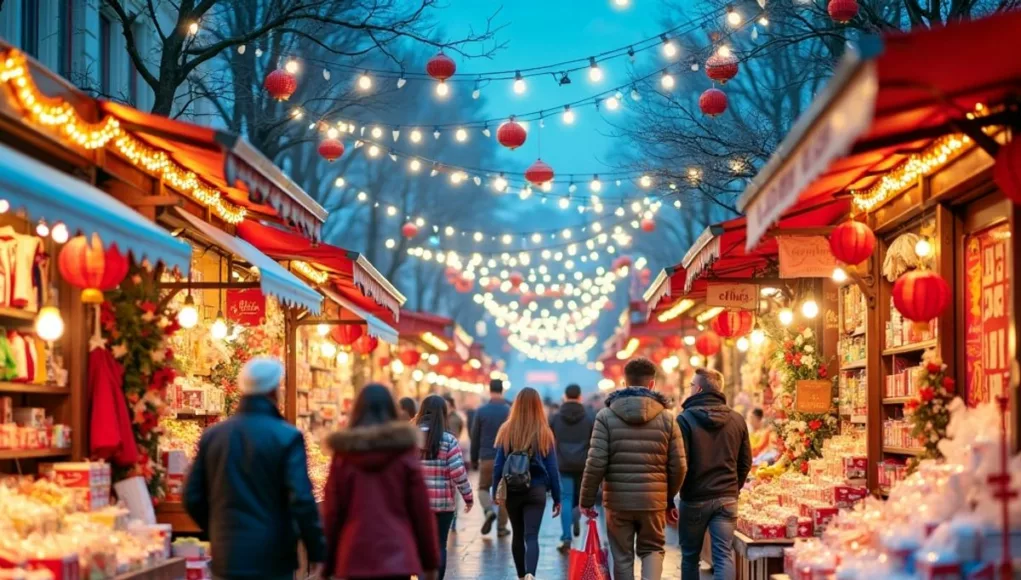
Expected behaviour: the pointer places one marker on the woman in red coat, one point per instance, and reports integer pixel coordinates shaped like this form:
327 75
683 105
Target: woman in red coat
376 515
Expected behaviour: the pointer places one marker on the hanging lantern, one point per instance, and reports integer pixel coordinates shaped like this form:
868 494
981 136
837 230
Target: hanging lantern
1007 171
280 84
451 272
84 264
708 343
842 11
331 149
673 342
511 135
410 357
463 285
410 230
852 242
721 68
516 278
621 263
539 173
441 67
365 344
648 225
713 102
921 295
659 355
733 323
347 334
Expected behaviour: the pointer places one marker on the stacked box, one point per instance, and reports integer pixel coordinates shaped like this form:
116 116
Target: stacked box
90 482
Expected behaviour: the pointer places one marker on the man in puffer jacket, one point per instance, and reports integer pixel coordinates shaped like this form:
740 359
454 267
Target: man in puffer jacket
636 449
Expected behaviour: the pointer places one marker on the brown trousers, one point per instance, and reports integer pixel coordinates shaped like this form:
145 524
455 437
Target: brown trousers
641 534
485 494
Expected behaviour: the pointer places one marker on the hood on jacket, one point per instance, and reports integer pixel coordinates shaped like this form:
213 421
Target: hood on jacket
637 405
374 447
709 408
572 412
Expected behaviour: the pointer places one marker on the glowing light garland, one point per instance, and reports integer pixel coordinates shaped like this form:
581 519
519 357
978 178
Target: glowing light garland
907 173
555 354
309 271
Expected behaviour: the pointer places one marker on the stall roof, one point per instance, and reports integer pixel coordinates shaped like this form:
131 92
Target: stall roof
353 275
881 107
44 192
376 327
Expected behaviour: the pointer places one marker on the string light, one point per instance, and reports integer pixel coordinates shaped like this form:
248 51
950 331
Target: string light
193 29
461 135
595 74
365 81
442 89
59 233
758 336
309 271
667 81
676 310
519 83
923 248
595 186
645 181
568 115
733 16
907 173
785 316
323 329
291 66
416 136
612 103
810 309
669 47
839 275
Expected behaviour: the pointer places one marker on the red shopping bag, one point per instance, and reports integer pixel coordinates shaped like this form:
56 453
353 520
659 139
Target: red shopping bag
590 563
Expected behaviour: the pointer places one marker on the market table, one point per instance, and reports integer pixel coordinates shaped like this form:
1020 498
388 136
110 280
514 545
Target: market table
172 569
758 559
173 513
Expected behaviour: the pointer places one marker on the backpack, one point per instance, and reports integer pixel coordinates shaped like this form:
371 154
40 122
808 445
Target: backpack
517 472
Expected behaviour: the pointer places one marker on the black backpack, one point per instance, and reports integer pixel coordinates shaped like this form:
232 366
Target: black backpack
517 472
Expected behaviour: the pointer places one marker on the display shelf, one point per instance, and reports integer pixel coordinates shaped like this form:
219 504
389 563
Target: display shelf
860 331
167 570
859 419
6 387
896 400
913 347
853 366
903 451
34 453
7 313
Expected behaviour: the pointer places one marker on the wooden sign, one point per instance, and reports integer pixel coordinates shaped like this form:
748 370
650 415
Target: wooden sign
246 307
733 296
813 396
805 257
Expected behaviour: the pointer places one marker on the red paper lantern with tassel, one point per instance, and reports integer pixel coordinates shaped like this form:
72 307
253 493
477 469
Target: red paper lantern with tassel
280 84
708 343
516 278
511 135
86 265
733 323
331 149
648 225
921 295
721 68
842 11
365 345
673 342
539 173
441 67
410 357
852 242
713 102
410 230
347 334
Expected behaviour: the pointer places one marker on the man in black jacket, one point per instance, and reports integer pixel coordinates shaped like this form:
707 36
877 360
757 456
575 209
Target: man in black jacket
249 487
572 430
719 459
488 420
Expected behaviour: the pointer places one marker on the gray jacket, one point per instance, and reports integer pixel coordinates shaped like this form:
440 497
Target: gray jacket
488 420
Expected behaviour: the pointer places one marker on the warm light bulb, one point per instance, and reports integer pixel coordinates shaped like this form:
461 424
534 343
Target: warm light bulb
923 248
373 151
724 51
669 48
734 18
415 165
188 315
193 28
595 186
758 336
42 229
742 344
695 360
645 181
689 340
218 331
595 74
785 316
416 136
365 82
59 233
839 275
500 184
810 309
377 132
4 206
568 116
328 349
442 89
612 103
667 81
323 329
564 203
519 84
49 325
622 3
461 135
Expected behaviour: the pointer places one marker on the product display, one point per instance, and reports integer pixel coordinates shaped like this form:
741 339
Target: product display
30 428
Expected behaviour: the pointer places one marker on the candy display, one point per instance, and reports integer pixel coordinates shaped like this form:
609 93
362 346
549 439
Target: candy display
899 331
28 428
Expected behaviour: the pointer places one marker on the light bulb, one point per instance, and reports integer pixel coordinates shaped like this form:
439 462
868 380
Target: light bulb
4 206
758 336
328 349
365 82
564 202
188 315
323 329
689 340
59 233
785 316
49 324
612 103
456 177
839 275
42 229
193 29
519 84
376 132
547 186
742 344
595 74
724 51
695 360
415 165
339 182
416 136
645 181
442 89
373 151
595 186
397 367
461 135
343 357
923 248
568 116
669 47
667 81
500 184
734 18
763 21
810 309
218 331
622 3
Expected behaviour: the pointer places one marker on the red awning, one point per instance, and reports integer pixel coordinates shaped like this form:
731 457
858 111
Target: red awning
413 323
353 276
874 113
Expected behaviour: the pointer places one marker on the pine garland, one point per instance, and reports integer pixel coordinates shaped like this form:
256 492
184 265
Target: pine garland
929 411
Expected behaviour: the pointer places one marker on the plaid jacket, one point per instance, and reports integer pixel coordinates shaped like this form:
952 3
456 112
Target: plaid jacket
444 473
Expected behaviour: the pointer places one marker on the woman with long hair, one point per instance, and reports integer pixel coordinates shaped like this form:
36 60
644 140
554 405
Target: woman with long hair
376 512
443 468
524 445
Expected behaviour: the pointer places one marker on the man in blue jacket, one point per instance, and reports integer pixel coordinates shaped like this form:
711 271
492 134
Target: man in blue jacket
488 420
249 487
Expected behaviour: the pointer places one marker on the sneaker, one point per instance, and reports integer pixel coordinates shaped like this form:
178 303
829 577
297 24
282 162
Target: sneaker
502 532
564 547
487 525
577 528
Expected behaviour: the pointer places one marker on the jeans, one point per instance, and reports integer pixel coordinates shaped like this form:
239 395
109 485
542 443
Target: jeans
526 510
570 491
719 516
443 520
637 533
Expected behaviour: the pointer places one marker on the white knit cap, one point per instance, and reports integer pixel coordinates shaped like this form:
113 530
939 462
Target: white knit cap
260 376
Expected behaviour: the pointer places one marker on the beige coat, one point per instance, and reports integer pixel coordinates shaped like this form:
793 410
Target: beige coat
637 451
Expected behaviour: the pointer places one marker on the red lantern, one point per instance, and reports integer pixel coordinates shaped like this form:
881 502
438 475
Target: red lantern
713 102
659 355
331 149
451 272
621 262
1007 171
733 323
463 285
921 295
539 173
721 68
852 242
648 225
441 67
347 334
365 345
842 10
410 357
280 84
511 135
673 342
84 264
410 230
383 361
708 343
516 279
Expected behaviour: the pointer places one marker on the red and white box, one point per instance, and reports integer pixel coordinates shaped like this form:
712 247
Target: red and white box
8 436
198 569
819 514
66 568
855 467
766 531
89 480
806 528
845 496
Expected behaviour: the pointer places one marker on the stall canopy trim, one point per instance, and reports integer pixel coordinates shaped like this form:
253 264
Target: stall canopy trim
375 326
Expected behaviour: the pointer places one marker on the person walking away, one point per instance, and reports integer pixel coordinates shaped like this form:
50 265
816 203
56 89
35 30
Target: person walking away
719 459
408 409
455 426
443 470
376 504
572 430
249 487
526 462
488 420
636 450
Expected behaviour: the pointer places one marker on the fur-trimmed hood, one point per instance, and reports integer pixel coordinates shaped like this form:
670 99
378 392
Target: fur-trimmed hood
373 447
637 405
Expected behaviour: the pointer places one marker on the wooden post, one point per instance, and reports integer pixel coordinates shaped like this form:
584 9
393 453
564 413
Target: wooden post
874 368
290 365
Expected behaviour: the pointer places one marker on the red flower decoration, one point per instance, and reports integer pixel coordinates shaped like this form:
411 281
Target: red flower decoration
948 384
788 345
823 373
804 467
171 327
797 359
933 368
147 307
926 394
911 405
814 424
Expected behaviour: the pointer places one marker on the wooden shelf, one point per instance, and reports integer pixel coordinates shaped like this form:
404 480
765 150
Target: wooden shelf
903 451
321 369
33 453
855 332
896 400
166 570
6 387
859 419
913 347
853 366
16 314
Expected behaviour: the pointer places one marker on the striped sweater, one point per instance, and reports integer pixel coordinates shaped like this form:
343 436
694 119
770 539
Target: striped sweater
444 473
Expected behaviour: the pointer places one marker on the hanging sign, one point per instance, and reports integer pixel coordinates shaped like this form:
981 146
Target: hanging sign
733 296
813 396
246 307
805 257
987 316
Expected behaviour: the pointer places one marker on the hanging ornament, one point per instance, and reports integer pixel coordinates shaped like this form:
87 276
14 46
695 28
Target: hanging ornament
621 263
842 11
409 230
713 102
84 264
365 344
721 67
1007 171
347 334
648 225
410 357
673 342
463 285
511 134
516 278
280 84
921 295
708 343
539 173
441 67
852 242
331 149
733 323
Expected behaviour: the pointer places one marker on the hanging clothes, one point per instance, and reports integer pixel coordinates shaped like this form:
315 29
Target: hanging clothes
110 434
20 355
20 259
